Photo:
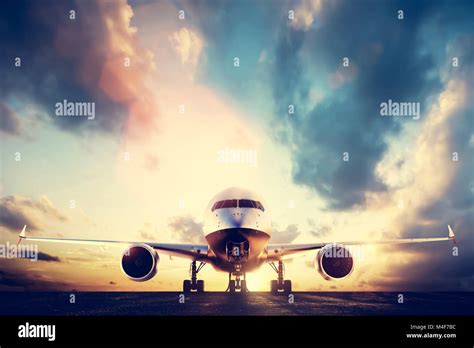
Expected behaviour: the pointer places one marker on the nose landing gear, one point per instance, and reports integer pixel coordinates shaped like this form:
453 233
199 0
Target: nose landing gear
237 253
194 284
237 284
279 285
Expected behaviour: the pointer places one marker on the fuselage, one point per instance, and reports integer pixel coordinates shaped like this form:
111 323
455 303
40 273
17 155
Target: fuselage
237 228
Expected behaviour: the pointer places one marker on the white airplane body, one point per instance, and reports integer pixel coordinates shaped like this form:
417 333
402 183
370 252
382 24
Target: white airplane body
237 229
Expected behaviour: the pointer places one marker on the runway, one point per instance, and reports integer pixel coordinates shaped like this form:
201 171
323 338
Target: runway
218 303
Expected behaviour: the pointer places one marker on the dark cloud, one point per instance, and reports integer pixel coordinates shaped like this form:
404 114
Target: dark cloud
390 63
290 86
187 230
456 205
46 257
16 211
78 60
459 196
434 268
9 121
287 235
23 280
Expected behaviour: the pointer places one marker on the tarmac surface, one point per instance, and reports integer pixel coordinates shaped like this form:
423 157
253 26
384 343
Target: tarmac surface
219 303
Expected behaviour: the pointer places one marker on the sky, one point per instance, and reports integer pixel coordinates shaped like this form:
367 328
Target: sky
281 97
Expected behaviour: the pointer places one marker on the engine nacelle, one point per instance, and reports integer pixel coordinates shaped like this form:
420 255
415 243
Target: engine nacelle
334 261
139 262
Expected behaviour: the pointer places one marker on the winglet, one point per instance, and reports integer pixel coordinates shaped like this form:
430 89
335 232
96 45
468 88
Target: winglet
451 234
22 234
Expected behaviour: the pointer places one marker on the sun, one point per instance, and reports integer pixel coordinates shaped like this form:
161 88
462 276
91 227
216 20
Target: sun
258 281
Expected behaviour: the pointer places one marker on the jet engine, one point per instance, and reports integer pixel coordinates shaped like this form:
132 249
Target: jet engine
334 261
139 262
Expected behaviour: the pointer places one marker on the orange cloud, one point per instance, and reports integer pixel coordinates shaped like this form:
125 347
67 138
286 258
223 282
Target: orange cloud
114 63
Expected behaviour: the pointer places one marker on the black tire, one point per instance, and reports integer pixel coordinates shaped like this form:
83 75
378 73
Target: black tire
200 286
187 286
287 286
232 286
243 286
274 286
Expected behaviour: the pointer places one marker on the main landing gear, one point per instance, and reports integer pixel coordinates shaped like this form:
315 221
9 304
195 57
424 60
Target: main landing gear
194 284
280 285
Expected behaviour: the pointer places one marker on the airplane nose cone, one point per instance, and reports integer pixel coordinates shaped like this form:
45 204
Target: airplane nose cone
243 219
237 219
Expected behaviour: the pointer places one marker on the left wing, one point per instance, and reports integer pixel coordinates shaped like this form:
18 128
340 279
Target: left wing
189 251
282 251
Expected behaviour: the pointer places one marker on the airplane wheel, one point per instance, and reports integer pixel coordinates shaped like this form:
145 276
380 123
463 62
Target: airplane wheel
232 287
287 286
243 286
200 286
187 286
274 286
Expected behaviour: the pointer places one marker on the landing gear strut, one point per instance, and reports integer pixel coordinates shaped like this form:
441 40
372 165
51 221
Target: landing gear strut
280 285
237 284
194 284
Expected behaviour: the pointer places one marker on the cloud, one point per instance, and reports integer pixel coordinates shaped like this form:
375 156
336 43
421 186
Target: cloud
318 230
187 230
400 61
434 189
342 76
188 45
151 163
435 267
46 257
305 13
288 235
9 120
146 232
89 68
389 65
263 57
16 211
23 280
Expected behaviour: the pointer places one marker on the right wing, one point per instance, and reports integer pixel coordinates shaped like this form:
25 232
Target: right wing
188 251
277 252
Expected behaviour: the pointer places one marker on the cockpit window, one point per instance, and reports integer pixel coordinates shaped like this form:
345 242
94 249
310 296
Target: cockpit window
217 205
243 203
259 205
230 203
246 203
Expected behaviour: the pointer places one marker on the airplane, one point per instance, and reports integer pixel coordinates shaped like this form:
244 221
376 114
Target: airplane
237 229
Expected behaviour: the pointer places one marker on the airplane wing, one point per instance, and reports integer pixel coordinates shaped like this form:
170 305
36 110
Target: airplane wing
189 251
277 252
